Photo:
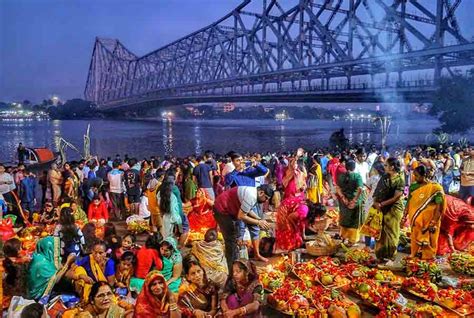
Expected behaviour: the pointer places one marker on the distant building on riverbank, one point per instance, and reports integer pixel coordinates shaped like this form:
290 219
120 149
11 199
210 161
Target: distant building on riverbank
225 108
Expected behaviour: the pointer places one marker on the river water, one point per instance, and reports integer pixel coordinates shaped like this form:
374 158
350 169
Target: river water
183 137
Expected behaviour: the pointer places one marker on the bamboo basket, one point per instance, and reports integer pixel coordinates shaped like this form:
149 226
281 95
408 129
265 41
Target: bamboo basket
321 250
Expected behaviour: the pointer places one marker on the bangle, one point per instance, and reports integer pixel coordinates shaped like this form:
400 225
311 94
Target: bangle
173 307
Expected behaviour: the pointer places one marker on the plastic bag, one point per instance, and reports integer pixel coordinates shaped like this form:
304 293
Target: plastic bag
17 305
373 224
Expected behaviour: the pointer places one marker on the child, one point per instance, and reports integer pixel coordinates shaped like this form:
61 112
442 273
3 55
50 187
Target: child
16 269
124 273
89 236
97 212
128 244
143 208
210 254
111 239
50 214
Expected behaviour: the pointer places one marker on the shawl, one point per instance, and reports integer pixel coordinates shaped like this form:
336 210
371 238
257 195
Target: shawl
44 266
148 305
232 287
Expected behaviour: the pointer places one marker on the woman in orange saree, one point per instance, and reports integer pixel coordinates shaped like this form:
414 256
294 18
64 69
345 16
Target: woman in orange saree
425 206
200 216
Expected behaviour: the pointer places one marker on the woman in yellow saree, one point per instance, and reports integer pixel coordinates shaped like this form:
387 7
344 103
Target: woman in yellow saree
93 268
315 181
425 206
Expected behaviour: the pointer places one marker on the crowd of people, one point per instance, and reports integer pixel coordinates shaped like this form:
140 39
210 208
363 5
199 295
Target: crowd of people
170 275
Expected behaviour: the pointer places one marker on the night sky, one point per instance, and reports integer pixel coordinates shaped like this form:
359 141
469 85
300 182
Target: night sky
46 45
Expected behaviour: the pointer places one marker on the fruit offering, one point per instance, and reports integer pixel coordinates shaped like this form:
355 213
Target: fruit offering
421 288
422 269
427 310
380 296
360 256
272 278
458 300
292 298
334 303
462 263
306 271
332 279
385 276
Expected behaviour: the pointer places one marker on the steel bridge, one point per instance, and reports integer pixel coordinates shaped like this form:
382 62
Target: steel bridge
292 50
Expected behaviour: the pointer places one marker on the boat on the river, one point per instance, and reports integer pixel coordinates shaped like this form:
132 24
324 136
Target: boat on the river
38 158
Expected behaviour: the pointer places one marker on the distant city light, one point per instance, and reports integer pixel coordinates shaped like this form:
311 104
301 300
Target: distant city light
167 115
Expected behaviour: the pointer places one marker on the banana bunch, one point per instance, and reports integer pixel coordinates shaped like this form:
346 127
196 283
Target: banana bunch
462 263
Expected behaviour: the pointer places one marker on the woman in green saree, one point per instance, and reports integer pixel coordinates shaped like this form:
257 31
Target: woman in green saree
45 267
350 194
388 199
172 263
190 187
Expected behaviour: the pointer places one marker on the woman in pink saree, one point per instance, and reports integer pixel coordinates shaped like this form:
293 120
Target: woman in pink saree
291 219
457 226
294 181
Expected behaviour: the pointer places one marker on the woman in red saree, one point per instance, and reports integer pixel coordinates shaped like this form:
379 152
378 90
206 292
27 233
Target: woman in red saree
457 226
155 299
200 215
291 218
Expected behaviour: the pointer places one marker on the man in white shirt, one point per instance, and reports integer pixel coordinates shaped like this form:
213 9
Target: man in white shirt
116 190
372 157
6 185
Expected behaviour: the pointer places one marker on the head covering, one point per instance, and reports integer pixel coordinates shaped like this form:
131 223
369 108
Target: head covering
175 253
231 285
249 266
47 248
153 184
44 265
148 305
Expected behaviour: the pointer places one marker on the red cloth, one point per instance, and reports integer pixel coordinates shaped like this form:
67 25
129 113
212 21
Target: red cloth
97 212
289 229
332 167
341 169
228 202
453 223
148 305
146 258
201 218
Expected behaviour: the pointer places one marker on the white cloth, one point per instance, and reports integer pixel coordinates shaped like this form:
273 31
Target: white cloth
371 158
4 187
115 178
363 169
228 168
372 184
143 208
247 198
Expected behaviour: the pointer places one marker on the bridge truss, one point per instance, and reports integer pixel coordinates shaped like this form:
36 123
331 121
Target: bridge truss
303 46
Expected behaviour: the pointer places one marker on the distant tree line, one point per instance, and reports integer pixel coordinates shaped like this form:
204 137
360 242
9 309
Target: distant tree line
72 109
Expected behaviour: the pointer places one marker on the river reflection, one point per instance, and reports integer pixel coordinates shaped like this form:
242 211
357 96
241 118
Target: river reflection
183 137
168 137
